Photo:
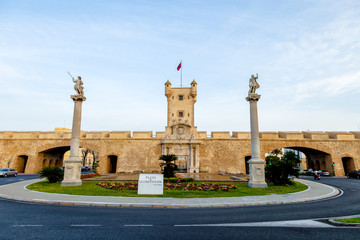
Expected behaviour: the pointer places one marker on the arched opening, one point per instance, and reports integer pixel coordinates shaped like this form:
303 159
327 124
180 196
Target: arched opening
247 158
112 160
51 163
58 163
20 164
348 164
312 158
53 157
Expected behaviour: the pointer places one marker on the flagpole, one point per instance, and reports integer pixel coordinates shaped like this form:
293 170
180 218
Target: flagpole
181 73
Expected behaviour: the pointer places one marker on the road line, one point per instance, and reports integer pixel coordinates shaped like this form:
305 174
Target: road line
295 223
85 225
27 225
138 225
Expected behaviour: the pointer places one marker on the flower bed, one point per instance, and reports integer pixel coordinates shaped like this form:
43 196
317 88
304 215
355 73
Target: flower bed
89 175
119 185
171 186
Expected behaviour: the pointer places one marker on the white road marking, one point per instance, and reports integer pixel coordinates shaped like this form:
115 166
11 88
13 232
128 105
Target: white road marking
85 225
138 225
27 225
295 223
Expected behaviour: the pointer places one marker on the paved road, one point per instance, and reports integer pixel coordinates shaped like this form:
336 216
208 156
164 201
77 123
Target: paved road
36 221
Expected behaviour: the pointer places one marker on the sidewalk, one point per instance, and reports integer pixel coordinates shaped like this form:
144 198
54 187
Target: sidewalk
17 191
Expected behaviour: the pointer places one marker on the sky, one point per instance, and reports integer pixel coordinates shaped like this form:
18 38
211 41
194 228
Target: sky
306 53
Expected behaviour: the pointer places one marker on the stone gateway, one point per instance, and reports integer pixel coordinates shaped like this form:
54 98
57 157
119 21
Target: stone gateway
197 151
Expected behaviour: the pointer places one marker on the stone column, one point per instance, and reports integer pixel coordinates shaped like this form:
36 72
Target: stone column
256 164
73 163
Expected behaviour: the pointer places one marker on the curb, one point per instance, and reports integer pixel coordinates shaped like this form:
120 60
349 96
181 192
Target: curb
332 220
335 192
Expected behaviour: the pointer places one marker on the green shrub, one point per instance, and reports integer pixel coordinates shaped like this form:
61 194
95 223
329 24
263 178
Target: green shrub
52 174
172 179
176 180
187 179
277 170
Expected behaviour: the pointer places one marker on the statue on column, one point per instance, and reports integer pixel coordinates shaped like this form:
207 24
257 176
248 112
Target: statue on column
253 84
79 88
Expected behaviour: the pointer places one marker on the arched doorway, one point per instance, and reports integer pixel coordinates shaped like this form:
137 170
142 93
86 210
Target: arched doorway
348 164
20 164
112 163
247 158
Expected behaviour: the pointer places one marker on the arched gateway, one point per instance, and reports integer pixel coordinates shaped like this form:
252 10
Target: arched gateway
127 151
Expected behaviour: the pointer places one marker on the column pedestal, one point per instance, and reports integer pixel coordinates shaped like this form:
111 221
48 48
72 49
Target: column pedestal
256 164
72 174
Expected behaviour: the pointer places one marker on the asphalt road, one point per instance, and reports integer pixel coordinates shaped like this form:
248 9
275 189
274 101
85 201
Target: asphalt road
35 221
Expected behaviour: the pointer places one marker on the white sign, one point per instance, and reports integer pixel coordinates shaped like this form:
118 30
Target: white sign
151 184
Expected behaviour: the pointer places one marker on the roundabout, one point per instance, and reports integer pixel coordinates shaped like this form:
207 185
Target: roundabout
299 220
18 191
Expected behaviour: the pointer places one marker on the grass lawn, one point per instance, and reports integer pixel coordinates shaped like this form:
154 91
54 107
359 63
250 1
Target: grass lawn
91 189
348 220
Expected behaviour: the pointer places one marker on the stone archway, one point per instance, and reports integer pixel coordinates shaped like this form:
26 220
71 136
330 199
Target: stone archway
53 156
316 158
112 163
348 164
20 164
247 158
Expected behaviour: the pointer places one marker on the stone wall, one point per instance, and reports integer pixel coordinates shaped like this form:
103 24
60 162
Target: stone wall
139 151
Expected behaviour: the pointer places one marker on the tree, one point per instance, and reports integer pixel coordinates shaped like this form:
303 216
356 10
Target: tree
277 152
277 169
84 153
8 163
169 167
95 163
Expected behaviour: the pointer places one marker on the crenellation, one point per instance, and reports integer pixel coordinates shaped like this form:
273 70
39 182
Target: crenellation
356 134
50 135
5 135
241 135
316 135
142 134
160 135
269 135
97 135
341 135
291 135
120 135
25 135
220 135
202 134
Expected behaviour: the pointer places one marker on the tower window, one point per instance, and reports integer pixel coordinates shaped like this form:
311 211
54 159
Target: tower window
181 97
181 114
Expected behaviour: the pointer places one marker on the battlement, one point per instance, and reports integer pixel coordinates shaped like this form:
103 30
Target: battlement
290 135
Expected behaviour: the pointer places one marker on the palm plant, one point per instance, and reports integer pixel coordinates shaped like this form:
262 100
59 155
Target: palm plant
169 167
53 174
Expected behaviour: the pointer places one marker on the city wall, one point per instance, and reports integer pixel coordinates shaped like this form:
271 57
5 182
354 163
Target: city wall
139 151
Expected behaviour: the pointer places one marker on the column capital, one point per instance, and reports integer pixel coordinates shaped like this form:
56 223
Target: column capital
78 97
253 97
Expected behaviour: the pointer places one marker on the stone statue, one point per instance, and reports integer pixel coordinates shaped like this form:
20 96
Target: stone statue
78 85
253 84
